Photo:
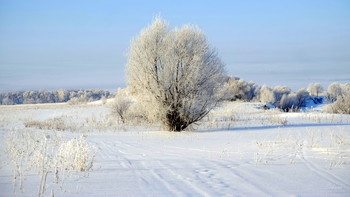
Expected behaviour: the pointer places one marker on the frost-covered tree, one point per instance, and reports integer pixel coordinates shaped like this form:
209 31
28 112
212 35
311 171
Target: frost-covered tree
293 101
333 91
336 90
41 96
301 97
62 95
266 95
239 89
341 105
27 98
339 93
279 91
315 89
288 102
174 73
2 96
121 104
7 101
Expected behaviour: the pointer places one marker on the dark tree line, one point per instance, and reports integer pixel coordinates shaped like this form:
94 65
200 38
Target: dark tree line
55 96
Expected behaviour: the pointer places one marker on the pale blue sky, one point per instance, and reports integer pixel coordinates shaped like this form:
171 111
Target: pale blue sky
82 44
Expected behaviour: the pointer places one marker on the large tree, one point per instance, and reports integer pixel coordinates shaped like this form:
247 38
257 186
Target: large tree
174 73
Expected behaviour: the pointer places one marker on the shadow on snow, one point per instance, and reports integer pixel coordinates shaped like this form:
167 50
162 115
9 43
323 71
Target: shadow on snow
271 127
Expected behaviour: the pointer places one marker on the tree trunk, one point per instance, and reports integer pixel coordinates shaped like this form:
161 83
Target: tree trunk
174 121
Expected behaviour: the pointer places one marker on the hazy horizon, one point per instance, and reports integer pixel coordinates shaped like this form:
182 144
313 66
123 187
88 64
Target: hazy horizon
82 44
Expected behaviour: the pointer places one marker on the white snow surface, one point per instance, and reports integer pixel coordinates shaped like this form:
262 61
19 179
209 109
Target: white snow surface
238 150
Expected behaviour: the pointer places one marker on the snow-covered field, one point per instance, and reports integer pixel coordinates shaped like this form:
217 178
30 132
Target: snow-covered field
238 150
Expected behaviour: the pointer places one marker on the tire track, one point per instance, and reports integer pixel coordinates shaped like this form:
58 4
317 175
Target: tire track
322 173
185 184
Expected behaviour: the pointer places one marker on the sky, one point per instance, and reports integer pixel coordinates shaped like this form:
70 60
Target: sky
83 44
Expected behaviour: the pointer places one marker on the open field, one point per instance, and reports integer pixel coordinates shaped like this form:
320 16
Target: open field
238 150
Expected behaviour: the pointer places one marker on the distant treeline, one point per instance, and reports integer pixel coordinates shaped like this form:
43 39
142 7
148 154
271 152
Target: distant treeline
55 96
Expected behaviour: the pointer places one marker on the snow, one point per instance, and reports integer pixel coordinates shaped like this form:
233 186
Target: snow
252 154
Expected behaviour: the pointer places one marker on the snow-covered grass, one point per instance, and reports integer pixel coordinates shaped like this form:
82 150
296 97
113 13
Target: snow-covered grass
238 150
47 154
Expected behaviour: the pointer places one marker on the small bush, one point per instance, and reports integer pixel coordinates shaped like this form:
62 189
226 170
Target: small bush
103 100
127 110
293 101
275 119
77 101
75 155
279 92
56 123
238 89
121 104
341 105
301 97
336 90
288 102
266 95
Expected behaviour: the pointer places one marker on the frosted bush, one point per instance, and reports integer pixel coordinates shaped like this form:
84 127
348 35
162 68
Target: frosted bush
139 115
103 100
77 101
340 95
279 91
59 123
293 101
301 96
121 104
336 90
75 155
277 120
127 110
288 102
341 105
239 89
267 95
74 123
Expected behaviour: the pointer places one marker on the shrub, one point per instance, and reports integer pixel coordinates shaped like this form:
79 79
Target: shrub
289 102
75 155
293 101
266 95
121 104
279 91
239 89
336 90
57 123
301 97
77 101
341 105
71 123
